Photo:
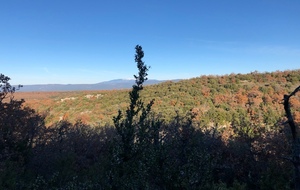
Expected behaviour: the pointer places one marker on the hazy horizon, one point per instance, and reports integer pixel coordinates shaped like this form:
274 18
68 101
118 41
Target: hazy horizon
132 79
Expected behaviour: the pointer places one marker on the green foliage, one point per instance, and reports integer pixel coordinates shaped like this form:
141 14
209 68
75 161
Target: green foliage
6 90
183 96
135 131
126 127
18 125
210 132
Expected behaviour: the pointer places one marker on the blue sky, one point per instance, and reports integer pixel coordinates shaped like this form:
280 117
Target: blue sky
72 41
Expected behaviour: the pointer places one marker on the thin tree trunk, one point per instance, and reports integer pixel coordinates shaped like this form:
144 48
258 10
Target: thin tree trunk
296 159
296 139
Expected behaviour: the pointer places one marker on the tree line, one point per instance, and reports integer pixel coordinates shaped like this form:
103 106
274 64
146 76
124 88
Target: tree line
205 96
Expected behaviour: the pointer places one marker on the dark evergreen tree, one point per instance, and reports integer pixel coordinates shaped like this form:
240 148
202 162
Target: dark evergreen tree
135 131
19 128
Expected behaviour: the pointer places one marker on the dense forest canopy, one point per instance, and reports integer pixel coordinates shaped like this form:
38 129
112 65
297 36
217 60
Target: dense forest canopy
210 132
213 99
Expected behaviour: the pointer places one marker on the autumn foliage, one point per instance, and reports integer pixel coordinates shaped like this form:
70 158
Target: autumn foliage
210 132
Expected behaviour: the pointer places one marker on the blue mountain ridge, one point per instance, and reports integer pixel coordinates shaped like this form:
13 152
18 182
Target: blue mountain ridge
115 84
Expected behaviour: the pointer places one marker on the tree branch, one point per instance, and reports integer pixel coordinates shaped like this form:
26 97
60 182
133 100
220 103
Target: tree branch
288 112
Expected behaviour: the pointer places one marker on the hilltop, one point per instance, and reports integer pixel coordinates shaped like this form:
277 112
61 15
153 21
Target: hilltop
212 99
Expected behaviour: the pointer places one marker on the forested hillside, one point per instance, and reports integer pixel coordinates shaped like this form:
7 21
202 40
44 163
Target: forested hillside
211 132
211 99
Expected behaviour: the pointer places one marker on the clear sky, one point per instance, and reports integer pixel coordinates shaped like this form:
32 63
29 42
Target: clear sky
89 41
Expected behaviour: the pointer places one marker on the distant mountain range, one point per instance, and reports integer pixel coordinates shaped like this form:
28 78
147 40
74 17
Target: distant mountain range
107 85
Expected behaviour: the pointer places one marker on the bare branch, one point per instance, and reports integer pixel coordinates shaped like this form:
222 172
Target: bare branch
288 112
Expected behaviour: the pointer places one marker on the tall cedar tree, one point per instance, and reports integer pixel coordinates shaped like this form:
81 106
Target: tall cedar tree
125 126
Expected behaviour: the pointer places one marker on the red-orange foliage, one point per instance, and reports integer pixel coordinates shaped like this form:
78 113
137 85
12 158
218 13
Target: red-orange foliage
241 97
205 92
